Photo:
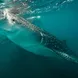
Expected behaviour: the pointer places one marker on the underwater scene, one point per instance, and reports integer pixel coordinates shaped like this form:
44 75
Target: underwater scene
38 39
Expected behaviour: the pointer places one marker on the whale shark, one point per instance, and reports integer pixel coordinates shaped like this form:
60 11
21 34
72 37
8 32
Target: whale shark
33 38
40 38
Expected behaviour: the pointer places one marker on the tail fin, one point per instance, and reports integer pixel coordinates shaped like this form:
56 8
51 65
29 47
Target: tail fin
67 56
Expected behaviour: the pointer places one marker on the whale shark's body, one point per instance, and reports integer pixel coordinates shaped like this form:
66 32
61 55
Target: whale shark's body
45 39
40 39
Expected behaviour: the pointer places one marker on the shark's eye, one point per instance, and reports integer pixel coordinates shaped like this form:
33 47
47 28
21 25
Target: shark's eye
13 20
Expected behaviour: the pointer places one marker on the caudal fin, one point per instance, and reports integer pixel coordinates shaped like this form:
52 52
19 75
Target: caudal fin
68 57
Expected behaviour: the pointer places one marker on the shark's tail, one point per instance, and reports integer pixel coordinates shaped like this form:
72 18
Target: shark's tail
66 56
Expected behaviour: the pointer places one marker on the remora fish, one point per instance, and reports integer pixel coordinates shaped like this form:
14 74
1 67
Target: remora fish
46 39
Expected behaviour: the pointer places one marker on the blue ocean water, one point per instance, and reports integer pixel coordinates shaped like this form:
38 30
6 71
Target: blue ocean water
17 62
